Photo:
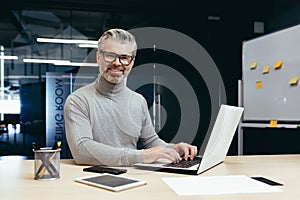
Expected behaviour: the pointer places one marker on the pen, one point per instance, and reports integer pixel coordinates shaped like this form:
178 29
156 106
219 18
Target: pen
35 146
56 145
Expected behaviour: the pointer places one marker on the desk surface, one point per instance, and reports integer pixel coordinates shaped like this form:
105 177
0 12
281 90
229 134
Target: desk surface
16 180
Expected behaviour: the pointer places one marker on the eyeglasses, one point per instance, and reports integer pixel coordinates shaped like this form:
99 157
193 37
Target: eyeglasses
111 57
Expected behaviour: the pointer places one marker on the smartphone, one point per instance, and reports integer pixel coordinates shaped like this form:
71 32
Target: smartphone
100 169
267 181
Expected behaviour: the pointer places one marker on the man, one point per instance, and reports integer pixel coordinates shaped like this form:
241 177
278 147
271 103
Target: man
104 120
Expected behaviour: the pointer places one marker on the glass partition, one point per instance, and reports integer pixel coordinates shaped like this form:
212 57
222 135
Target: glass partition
34 45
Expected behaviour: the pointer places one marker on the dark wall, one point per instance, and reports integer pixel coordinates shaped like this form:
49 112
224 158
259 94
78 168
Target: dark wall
222 39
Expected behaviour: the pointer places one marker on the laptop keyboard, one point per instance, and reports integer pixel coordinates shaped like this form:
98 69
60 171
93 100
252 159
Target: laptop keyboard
185 163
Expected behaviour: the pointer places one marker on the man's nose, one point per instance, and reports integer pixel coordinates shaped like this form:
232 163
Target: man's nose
117 62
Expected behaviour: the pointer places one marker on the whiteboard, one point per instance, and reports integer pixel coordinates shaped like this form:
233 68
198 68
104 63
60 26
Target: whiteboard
270 96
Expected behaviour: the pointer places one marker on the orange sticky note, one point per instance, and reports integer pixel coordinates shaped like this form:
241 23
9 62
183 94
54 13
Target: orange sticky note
266 69
253 65
278 64
273 123
258 84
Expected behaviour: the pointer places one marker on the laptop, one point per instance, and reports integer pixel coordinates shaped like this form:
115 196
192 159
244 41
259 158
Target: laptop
215 151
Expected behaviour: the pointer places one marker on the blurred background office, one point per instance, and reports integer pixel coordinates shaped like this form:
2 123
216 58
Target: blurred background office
37 74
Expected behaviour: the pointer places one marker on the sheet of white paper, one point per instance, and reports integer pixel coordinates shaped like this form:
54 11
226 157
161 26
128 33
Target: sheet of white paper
212 185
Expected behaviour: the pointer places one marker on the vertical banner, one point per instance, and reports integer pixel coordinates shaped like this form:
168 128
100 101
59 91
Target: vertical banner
58 87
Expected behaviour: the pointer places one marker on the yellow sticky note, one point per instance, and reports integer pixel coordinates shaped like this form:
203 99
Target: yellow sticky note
273 123
253 65
294 80
258 84
278 64
266 69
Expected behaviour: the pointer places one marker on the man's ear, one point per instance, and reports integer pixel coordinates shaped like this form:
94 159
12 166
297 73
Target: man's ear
98 61
97 57
132 62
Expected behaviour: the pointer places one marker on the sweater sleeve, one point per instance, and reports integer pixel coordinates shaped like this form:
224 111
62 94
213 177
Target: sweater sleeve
84 149
149 137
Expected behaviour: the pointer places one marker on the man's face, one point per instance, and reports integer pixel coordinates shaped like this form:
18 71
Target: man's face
114 71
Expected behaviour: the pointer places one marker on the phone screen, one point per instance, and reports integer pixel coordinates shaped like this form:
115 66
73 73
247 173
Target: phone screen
111 181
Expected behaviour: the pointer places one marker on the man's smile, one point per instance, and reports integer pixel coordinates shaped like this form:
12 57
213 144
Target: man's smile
115 71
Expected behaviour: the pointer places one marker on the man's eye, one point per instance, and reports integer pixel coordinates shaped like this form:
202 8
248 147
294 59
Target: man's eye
125 57
110 55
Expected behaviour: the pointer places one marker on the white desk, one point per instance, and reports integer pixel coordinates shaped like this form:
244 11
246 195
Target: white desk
16 181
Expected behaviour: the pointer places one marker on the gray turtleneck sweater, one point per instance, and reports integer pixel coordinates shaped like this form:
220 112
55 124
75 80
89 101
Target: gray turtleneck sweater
103 123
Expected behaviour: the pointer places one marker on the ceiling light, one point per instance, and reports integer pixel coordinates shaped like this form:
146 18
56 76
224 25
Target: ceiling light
88 46
8 57
59 62
47 61
79 64
66 41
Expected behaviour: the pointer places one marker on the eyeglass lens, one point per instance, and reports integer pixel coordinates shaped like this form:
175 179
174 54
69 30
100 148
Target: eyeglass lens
111 57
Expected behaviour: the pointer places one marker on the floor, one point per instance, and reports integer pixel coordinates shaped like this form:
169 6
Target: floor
17 144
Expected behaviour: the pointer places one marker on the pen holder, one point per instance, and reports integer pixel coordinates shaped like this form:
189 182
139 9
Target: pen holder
46 164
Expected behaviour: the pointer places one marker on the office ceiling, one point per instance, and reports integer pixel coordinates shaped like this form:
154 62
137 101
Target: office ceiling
22 21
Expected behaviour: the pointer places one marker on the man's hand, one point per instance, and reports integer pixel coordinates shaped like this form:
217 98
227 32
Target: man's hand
158 152
186 150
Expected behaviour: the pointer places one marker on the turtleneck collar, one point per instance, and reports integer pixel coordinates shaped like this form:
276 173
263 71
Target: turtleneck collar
108 89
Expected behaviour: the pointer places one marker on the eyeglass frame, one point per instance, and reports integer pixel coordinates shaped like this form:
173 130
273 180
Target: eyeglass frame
116 56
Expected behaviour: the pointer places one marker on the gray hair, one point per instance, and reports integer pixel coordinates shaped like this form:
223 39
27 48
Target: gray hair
118 35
